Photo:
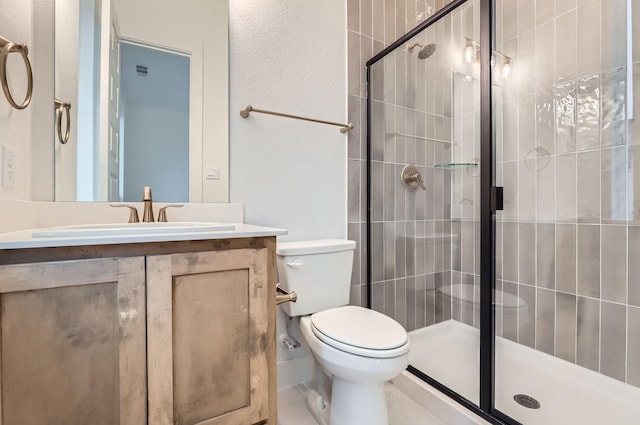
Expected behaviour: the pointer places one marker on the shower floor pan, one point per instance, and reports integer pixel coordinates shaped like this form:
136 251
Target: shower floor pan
568 394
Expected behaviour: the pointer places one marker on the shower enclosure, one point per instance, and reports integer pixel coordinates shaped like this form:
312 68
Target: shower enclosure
509 251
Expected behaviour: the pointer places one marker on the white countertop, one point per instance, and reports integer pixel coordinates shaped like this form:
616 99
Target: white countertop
24 239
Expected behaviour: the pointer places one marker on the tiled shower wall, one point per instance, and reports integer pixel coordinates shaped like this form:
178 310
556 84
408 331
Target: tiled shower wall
372 25
422 114
569 159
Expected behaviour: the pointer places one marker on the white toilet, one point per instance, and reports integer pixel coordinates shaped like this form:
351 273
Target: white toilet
358 347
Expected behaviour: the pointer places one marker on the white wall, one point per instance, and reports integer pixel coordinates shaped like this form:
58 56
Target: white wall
196 26
27 131
67 39
289 56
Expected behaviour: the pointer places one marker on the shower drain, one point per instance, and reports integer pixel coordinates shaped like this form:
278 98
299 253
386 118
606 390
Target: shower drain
526 401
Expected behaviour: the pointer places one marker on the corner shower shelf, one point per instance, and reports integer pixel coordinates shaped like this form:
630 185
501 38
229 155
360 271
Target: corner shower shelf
456 165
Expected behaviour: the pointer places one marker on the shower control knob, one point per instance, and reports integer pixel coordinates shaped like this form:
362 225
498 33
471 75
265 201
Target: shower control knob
411 178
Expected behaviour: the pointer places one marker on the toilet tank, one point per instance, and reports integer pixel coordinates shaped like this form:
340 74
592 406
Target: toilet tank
319 271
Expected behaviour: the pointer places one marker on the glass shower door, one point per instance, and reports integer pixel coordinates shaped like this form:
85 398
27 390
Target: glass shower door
567 306
424 105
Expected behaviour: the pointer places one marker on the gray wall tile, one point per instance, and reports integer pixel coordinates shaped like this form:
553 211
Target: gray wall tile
588 118
589 260
545 121
589 187
588 342
354 138
566 326
527 253
510 259
353 233
614 263
410 248
566 45
390 298
614 107
566 190
498 307
378 296
389 250
613 40
400 263
510 322
353 49
545 61
467 245
377 252
566 102
563 6
410 301
401 302
354 188
634 183
527 318
545 188
633 346
545 321
634 266
377 191
389 194
566 256
613 340
589 40
614 185
545 10
546 256
443 308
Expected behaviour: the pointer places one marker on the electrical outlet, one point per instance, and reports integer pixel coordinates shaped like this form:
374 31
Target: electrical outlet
8 167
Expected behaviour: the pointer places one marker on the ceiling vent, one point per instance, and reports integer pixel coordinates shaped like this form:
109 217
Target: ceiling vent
142 70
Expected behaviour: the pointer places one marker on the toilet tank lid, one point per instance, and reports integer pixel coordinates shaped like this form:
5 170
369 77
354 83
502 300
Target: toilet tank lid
318 246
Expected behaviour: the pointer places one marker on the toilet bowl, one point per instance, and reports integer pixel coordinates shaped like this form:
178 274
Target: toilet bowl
359 348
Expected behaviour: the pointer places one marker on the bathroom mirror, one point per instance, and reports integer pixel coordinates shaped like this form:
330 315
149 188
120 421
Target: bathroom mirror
147 84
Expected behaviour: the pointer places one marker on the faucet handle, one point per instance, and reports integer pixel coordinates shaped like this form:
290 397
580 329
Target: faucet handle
162 214
133 212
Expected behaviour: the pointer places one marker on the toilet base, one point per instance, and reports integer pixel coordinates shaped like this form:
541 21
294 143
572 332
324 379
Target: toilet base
357 404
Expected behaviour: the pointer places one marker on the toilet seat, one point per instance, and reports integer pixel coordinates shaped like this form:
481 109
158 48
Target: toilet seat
360 331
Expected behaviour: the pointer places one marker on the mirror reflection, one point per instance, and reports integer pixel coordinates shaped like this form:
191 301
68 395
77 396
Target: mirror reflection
138 91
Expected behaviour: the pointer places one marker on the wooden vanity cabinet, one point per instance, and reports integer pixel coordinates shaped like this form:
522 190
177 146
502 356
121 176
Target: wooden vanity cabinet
209 337
182 335
72 343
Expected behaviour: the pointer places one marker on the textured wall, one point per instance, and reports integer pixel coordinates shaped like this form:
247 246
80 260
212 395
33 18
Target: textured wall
290 57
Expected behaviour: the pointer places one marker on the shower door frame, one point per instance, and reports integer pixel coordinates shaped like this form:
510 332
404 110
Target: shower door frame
490 202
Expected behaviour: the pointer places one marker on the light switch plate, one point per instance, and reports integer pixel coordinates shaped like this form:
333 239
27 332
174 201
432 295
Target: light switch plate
212 173
8 167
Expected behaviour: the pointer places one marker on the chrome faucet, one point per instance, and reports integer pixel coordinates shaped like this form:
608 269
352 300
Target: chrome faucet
147 215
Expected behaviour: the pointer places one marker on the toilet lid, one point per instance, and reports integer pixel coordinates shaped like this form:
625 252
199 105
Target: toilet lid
360 331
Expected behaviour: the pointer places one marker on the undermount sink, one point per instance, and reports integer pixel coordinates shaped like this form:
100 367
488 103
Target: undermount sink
120 229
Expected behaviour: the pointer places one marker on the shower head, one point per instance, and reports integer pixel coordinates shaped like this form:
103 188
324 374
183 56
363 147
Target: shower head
425 51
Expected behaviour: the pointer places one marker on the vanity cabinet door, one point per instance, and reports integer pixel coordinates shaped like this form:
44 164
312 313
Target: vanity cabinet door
211 338
72 343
